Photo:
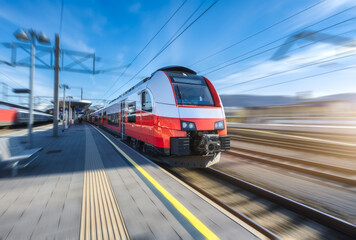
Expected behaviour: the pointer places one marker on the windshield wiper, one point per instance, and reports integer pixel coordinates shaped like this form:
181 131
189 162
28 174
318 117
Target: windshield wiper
181 94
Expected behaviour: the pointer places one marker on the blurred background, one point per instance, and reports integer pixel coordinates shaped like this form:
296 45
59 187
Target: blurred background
266 59
285 72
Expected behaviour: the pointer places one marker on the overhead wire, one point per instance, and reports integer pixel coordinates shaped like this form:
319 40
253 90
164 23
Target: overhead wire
12 80
148 43
289 70
279 39
300 47
167 45
302 78
257 33
275 47
185 22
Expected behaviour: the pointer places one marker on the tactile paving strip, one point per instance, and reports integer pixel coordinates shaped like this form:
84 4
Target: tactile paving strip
101 216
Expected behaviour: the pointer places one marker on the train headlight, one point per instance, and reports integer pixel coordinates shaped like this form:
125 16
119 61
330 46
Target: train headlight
188 126
219 125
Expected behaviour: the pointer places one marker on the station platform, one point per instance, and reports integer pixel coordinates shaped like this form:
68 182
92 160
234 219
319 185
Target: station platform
87 184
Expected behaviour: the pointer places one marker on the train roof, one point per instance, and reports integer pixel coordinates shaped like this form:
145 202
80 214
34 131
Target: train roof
178 69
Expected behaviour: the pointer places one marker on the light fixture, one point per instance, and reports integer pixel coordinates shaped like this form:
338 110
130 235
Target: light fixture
21 35
42 38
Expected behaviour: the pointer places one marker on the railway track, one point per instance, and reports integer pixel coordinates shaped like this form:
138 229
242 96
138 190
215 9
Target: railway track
326 171
306 146
277 215
340 137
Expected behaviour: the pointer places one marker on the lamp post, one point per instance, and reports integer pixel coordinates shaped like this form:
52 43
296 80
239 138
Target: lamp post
31 36
70 111
64 86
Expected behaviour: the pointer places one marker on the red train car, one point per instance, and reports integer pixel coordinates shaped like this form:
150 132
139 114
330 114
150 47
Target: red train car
13 114
175 112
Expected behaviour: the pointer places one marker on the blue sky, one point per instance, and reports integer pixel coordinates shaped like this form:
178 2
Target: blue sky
117 30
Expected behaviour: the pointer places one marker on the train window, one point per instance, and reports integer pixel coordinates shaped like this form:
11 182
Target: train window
146 101
189 94
188 80
131 117
104 116
112 119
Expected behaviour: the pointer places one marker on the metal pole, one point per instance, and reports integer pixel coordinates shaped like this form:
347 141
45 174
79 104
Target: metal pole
56 87
32 73
64 107
69 112
81 94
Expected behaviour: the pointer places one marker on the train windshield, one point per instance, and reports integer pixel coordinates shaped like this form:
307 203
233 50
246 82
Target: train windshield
191 91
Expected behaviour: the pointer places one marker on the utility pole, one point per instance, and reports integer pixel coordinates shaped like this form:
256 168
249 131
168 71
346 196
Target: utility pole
64 115
56 86
64 86
69 111
32 73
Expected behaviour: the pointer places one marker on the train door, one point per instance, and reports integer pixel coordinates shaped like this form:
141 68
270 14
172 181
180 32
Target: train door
122 120
147 116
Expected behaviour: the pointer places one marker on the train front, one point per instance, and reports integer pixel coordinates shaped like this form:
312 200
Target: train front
202 118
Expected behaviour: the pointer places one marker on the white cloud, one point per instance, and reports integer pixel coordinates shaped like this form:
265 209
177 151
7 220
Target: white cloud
316 53
320 12
77 45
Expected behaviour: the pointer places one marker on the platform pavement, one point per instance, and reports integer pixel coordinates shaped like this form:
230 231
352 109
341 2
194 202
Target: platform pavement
45 200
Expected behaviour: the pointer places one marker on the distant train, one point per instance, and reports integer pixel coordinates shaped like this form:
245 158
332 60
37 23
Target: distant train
13 114
175 113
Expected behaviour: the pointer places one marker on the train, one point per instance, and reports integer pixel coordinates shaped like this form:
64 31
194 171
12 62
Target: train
175 114
14 115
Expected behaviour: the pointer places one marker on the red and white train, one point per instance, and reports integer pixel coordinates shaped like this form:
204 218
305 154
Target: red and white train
13 114
175 112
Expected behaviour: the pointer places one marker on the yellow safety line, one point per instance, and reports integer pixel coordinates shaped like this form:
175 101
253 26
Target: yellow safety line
294 136
185 212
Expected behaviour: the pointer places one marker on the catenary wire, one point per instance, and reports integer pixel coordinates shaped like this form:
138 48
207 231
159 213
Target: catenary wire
289 70
148 43
185 22
257 33
270 43
166 46
269 49
302 78
12 80
303 46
